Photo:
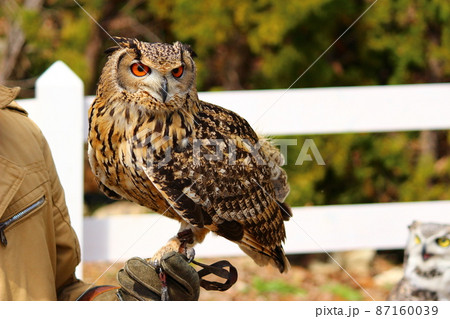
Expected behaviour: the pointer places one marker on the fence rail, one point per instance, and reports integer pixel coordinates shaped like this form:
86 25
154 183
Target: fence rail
60 109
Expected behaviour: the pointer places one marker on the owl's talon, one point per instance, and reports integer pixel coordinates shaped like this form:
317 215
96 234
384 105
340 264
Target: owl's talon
190 254
156 263
186 236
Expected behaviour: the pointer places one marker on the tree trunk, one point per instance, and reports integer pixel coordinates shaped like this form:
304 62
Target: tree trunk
429 143
15 37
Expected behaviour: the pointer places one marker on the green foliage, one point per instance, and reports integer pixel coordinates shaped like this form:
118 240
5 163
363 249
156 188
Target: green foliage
55 35
414 37
247 44
343 291
368 168
278 286
258 44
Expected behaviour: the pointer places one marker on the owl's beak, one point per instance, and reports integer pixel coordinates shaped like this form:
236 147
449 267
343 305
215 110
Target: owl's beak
425 255
163 90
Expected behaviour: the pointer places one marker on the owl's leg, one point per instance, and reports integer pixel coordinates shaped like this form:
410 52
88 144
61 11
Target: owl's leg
173 244
186 238
183 242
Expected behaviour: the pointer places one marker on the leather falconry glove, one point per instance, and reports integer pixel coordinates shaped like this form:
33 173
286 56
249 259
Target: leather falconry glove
139 280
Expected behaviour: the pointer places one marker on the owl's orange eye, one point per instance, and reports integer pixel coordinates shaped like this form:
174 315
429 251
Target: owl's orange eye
178 72
139 69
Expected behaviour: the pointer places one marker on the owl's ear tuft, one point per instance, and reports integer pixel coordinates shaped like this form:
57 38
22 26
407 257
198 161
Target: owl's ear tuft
189 49
111 50
125 42
414 224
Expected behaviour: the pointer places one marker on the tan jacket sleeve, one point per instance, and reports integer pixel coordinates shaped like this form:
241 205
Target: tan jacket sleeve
67 246
39 249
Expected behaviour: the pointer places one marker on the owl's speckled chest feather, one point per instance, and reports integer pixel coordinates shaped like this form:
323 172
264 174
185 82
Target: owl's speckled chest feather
123 139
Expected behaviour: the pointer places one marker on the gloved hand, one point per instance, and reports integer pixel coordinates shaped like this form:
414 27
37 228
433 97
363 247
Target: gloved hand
139 280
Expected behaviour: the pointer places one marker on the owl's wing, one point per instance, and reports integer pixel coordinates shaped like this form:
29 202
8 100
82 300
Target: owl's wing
223 181
278 176
107 191
176 192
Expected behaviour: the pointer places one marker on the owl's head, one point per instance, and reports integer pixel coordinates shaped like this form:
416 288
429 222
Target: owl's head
428 248
164 73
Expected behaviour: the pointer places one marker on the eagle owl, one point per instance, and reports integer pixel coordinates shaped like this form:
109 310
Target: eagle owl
427 264
153 142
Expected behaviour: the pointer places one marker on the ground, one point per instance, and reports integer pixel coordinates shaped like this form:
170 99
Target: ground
311 277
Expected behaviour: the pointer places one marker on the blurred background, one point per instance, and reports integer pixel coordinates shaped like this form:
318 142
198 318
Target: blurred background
247 44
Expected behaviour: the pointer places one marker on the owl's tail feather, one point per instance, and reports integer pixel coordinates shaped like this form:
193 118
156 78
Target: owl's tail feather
263 256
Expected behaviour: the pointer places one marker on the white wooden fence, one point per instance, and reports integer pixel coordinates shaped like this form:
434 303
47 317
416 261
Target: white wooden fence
60 109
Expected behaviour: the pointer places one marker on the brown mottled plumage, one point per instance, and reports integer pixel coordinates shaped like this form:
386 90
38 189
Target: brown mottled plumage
153 142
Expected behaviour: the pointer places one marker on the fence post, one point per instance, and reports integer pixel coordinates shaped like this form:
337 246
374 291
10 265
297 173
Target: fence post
59 112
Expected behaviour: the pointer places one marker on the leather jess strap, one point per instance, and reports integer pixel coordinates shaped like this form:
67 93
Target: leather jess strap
218 269
90 294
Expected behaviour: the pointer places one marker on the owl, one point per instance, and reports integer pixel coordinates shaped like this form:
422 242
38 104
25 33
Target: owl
153 142
426 265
